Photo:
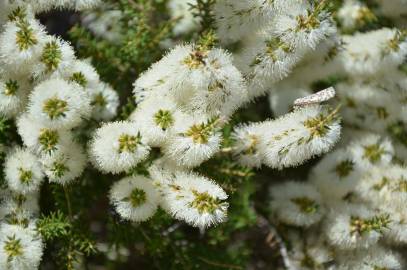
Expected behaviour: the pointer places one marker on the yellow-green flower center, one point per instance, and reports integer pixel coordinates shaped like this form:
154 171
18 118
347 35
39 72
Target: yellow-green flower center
55 107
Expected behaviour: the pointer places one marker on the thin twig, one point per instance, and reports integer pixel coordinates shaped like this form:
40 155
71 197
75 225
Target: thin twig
273 234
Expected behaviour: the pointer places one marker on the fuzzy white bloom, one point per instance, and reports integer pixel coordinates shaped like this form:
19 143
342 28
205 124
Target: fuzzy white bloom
368 106
104 101
134 198
195 199
236 19
267 59
14 10
297 204
180 10
309 252
82 73
57 104
384 186
296 137
156 118
20 248
376 258
305 27
336 174
13 205
56 56
354 14
13 94
20 44
199 81
41 139
118 146
374 52
194 140
45 5
23 171
372 150
246 144
355 226
65 164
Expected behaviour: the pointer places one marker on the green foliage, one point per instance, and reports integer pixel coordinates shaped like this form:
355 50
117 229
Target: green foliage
55 225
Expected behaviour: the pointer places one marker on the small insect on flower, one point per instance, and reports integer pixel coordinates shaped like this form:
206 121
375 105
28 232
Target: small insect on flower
134 198
319 97
20 248
23 171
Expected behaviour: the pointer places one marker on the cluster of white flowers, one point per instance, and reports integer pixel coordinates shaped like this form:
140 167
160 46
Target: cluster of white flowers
49 93
349 211
184 100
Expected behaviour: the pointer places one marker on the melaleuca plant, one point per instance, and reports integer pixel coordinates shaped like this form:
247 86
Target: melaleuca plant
203 134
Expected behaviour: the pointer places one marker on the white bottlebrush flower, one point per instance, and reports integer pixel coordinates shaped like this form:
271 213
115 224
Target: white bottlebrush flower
308 252
82 73
246 144
15 10
56 103
64 164
200 81
23 171
195 199
372 150
13 203
335 175
305 27
41 139
266 60
117 147
384 186
104 101
20 44
195 140
134 198
55 57
369 106
354 14
355 226
12 95
373 259
156 118
397 234
180 10
78 5
20 248
297 204
296 137
236 19
374 52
